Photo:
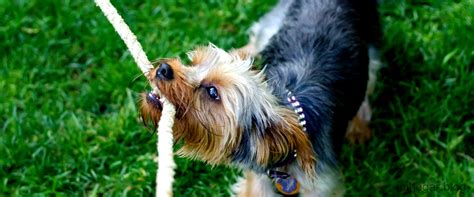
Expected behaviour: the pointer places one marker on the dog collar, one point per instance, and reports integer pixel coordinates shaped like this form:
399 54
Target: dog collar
284 182
296 105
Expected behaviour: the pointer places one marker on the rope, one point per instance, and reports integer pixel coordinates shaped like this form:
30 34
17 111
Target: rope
166 165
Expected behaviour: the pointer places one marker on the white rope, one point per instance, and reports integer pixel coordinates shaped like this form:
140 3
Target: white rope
166 165
126 34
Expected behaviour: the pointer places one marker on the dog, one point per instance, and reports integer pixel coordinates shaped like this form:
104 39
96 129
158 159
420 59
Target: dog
285 124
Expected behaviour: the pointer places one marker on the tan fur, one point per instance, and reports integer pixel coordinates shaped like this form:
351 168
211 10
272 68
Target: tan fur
211 130
148 112
286 135
243 53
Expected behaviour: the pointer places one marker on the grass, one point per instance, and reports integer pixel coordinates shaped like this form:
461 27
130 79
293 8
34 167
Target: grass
68 102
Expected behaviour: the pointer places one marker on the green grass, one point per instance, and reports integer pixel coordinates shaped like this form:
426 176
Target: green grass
68 101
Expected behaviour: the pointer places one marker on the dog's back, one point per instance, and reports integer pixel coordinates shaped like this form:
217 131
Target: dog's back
320 53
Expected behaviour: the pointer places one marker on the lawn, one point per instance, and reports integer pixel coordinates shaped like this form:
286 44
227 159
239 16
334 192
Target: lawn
69 89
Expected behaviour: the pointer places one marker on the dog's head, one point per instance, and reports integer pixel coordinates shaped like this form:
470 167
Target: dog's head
225 112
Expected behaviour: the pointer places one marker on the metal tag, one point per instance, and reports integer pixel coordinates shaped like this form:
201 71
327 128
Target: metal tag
287 186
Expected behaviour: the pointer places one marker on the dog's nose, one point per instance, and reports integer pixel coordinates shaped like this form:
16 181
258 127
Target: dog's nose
164 72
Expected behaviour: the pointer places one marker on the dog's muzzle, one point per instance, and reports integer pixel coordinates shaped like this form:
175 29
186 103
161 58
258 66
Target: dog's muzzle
155 100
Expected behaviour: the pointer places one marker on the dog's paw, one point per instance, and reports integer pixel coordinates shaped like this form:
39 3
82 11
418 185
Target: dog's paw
358 130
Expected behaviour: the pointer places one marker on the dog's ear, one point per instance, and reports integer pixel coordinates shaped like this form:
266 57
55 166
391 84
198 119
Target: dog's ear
242 53
284 135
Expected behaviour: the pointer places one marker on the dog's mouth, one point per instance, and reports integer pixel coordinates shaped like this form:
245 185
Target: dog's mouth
155 100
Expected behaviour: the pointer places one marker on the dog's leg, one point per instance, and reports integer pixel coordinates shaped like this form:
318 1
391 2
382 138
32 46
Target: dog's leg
267 26
374 66
358 130
254 185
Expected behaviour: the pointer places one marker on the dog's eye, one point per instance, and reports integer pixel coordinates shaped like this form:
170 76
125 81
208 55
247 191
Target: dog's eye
212 92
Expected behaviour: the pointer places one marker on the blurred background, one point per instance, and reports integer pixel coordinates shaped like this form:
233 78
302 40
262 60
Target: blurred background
69 94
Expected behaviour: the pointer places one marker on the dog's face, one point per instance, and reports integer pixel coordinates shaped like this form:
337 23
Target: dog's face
215 98
221 106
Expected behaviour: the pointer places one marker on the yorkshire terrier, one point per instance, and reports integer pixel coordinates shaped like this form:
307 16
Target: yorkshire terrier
284 125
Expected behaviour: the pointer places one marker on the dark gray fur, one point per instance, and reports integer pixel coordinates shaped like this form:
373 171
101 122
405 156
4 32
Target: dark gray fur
320 53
